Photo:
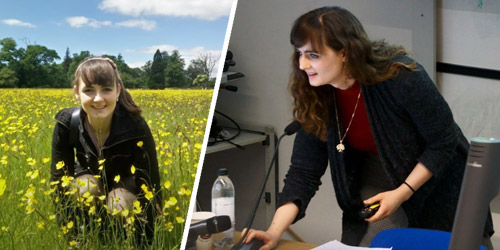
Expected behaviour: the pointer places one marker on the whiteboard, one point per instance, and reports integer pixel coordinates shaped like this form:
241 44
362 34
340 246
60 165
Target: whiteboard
478 39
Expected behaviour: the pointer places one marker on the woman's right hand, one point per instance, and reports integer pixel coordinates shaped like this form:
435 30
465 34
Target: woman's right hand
270 240
282 219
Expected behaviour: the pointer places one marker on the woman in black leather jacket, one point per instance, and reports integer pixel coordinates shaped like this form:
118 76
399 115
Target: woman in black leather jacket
115 152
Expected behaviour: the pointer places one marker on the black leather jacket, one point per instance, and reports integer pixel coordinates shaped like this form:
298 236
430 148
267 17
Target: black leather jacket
121 150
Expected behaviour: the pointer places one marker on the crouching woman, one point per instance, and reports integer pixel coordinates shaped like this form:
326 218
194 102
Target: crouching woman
104 149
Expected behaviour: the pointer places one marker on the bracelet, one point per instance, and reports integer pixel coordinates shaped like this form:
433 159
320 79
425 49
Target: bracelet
413 190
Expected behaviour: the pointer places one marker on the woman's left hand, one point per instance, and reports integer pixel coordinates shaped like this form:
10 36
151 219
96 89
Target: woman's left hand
389 201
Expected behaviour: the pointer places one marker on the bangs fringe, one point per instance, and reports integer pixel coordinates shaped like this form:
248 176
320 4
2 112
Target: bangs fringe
98 72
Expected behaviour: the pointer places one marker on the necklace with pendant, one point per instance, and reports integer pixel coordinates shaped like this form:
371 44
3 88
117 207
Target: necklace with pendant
341 146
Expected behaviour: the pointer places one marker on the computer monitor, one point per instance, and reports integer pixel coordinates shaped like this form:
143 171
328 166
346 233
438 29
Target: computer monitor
480 185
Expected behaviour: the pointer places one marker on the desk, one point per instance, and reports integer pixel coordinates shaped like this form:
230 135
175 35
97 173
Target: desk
287 244
294 245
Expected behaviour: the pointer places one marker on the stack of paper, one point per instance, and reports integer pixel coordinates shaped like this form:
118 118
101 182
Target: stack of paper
337 245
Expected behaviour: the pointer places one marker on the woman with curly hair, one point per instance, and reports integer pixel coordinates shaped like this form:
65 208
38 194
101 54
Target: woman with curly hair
374 114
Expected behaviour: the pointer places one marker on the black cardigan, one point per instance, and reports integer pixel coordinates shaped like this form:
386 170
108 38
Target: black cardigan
411 122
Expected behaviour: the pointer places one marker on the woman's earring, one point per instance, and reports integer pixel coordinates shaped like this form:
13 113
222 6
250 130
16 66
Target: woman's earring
117 100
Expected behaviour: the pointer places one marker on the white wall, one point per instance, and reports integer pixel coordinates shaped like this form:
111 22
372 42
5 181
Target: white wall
260 44
469 35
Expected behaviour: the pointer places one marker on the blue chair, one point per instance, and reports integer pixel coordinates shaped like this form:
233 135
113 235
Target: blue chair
413 239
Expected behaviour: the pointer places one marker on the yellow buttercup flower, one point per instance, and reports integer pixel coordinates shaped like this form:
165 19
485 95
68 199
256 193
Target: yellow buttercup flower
65 180
137 207
171 202
170 226
31 161
147 194
35 174
117 178
3 186
130 220
60 165
132 169
179 219
81 182
92 210
140 143
167 184
125 212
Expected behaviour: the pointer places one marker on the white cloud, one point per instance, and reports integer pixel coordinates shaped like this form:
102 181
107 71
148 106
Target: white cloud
202 9
193 53
15 22
81 21
136 23
161 47
136 64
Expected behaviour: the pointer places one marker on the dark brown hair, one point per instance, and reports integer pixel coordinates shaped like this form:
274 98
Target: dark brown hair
103 71
369 62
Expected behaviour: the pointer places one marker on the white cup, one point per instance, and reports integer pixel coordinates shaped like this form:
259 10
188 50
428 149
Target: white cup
203 242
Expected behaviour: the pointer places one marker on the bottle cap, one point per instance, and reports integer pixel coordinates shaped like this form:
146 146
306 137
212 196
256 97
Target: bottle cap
222 171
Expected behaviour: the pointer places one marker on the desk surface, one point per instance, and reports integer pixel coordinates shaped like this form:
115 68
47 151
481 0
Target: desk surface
287 244
294 245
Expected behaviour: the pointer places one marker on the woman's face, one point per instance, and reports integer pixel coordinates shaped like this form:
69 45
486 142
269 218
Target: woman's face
97 101
324 68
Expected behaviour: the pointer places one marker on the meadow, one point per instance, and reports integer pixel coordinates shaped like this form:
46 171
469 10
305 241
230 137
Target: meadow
177 119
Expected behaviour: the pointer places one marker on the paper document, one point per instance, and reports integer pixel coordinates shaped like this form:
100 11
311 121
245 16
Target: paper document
337 245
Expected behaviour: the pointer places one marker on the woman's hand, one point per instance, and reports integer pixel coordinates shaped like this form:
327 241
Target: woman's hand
389 201
270 240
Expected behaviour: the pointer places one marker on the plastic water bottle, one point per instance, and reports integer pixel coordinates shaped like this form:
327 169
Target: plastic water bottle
223 204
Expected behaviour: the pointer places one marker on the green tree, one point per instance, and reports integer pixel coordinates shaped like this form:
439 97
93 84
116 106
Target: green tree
67 61
127 75
157 77
195 68
56 77
77 59
203 65
144 74
9 58
175 75
8 53
8 78
34 62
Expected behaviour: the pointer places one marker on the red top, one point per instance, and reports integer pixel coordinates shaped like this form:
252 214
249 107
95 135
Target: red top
360 134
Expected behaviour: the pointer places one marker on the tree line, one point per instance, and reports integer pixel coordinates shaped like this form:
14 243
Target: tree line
35 66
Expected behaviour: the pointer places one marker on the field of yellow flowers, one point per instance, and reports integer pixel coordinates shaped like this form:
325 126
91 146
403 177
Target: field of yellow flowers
177 119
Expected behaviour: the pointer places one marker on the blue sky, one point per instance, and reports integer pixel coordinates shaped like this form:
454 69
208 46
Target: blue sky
134 28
